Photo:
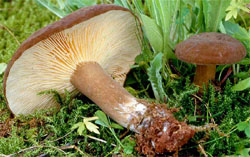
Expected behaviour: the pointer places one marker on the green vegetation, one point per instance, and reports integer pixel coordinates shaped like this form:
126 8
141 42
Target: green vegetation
167 80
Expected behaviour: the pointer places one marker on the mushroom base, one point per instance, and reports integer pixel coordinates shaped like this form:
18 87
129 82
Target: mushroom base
160 132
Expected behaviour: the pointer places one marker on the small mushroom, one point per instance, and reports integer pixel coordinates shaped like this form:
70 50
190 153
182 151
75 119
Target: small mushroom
80 53
207 50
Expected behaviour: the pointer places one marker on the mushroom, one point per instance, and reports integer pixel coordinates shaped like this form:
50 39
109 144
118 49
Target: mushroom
80 53
208 50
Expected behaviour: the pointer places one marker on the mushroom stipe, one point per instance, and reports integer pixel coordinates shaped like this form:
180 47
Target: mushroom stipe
80 53
158 130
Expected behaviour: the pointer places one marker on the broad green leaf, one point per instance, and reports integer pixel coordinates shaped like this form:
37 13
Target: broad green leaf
116 126
199 22
102 119
242 85
3 66
61 4
50 6
167 11
153 33
155 77
76 4
222 28
122 3
245 61
139 6
244 152
238 33
128 149
242 75
242 126
214 11
247 130
128 144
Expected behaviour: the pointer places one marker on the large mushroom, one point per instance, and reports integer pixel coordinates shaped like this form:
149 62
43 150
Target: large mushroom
80 53
207 50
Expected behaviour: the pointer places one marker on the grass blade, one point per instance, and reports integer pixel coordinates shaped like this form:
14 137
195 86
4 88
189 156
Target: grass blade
58 12
153 33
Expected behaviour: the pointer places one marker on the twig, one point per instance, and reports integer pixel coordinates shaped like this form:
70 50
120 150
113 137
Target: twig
73 147
91 137
124 134
11 33
62 136
229 71
202 150
100 140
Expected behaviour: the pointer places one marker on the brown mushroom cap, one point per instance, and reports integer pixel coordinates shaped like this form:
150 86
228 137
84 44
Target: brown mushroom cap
106 34
210 48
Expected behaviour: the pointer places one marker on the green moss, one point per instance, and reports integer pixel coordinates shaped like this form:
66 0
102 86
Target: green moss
22 18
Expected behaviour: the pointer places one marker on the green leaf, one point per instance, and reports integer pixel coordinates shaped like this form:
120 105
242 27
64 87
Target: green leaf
242 85
50 6
153 33
102 119
247 130
80 126
155 77
166 12
122 3
76 4
245 61
242 126
60 3
3 67
238 33
92 127
242 75
214 11
244 152
89 125
129 145
192 118
116 126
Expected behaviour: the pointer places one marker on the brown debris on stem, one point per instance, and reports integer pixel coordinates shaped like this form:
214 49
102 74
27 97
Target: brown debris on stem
160 132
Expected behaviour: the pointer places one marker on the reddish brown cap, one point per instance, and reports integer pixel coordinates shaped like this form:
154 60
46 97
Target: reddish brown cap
210 48
106 34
